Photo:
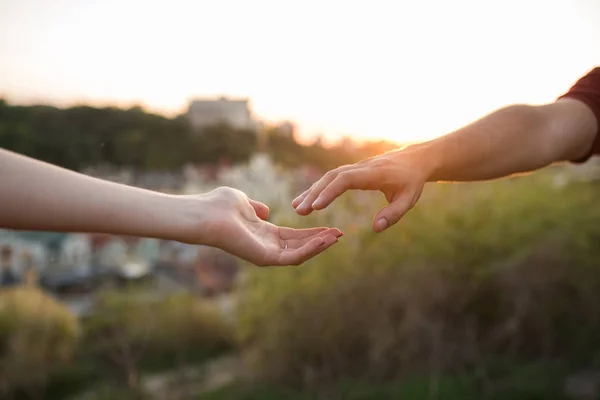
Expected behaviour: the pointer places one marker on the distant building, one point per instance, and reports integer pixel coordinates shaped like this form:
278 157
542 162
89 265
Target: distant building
21 256
235 113
48 258
8 277
128 257
178 254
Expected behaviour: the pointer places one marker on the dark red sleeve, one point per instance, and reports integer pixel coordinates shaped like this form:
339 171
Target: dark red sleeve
587 90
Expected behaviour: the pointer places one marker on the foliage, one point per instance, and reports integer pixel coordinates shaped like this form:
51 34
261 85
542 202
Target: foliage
473 271
67 380
44 356
186 331
133 333
37 335
221 143
84 136
120 332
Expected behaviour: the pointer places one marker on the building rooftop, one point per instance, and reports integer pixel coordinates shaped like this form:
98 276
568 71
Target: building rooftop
219 99
49 239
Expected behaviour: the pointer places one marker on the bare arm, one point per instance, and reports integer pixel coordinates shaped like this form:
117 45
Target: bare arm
518 138
515 139
38 196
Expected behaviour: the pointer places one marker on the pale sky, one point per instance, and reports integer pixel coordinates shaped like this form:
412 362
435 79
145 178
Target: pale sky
402 70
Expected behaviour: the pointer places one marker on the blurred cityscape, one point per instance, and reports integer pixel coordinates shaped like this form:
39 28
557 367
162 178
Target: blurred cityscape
485 290
233 149
217 142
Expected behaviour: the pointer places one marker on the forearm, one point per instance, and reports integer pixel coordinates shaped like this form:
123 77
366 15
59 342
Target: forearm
511 140
39 196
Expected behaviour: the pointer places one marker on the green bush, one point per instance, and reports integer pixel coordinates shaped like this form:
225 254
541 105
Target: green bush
134 332
37 335
187 330
474 270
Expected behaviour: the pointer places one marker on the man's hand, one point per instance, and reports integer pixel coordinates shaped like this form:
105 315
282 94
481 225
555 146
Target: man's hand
396 174
514 139
229 220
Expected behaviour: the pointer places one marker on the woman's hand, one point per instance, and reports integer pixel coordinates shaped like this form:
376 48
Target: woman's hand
226 218
398 174
43 197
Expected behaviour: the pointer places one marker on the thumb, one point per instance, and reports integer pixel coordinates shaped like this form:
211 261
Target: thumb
262 210
392 213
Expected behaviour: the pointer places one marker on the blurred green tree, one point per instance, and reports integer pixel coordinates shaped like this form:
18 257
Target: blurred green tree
84 136
37 335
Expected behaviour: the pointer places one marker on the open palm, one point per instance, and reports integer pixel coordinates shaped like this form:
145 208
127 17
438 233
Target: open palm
240 227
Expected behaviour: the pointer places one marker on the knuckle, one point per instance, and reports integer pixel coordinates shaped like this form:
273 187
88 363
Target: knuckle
386 165
378 162
340 183
344 176
331 174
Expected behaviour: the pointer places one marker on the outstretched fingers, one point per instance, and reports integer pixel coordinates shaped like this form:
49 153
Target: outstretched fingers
291 233
297 241
343 178
310 249
305 206
298 200
359 178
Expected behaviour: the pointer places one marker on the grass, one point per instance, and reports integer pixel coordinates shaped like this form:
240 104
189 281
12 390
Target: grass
519 382
263 392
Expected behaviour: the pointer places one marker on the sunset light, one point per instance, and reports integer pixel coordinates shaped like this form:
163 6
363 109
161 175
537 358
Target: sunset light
299 200
404 71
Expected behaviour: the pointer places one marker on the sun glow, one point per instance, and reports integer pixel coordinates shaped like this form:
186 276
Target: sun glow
404 71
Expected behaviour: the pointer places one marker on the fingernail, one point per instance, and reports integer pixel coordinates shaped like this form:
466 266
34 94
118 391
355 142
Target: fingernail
317 203
381 224
340 234
302 205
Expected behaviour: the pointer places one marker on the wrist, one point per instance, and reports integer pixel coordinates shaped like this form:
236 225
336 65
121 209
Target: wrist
426 159
188 219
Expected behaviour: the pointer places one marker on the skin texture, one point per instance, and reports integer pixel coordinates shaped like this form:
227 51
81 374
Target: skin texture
514 139
39 196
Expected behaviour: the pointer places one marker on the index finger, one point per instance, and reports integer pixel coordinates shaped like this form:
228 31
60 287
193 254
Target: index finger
298 200
304 208
362 178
